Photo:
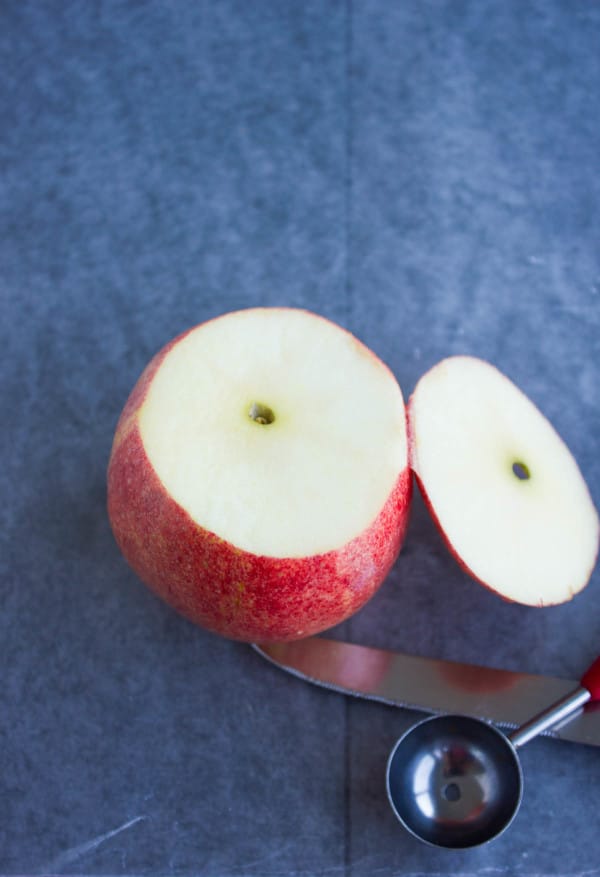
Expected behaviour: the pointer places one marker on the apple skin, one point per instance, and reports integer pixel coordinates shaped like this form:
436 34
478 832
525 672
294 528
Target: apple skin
225 589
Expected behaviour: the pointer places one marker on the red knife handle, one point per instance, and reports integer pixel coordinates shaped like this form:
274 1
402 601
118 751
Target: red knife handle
591 680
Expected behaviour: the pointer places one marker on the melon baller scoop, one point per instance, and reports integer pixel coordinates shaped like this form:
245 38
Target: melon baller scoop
455 781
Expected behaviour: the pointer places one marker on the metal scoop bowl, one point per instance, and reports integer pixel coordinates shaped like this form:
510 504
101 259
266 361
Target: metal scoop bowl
454 781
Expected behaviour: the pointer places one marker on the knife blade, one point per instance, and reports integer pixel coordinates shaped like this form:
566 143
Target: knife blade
503 697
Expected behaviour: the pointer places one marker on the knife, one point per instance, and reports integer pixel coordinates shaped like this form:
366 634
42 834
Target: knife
502 697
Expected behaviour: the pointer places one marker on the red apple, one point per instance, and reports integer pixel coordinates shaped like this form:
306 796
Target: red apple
504 489
259 479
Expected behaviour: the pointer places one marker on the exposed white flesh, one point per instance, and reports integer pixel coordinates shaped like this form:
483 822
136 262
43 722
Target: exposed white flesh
306 483
533 540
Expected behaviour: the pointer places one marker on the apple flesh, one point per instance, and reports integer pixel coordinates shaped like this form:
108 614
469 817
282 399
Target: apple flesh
259 479
504 489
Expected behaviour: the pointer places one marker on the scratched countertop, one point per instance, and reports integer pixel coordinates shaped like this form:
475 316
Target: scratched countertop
427 174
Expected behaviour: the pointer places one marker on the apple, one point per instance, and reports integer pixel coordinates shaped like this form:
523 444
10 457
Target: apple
259 479
505 491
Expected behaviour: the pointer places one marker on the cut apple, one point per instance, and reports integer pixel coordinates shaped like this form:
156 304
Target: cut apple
501 484
259 477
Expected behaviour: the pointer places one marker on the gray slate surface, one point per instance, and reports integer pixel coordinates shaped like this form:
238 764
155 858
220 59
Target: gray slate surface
425 173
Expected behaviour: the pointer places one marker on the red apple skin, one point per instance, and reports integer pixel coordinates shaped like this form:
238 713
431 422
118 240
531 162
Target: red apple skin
220 587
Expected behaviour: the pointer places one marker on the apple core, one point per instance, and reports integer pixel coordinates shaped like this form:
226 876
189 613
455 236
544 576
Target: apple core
521 470
260 413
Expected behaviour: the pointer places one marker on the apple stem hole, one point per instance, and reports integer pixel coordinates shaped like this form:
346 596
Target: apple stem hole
260 413
521 471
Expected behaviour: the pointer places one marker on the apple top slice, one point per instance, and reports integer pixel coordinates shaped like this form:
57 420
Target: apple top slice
277 430
501 484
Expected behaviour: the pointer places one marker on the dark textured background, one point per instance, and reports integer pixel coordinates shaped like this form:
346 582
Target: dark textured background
425 173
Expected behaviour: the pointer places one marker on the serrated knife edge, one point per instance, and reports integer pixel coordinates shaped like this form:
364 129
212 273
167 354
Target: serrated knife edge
503 697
